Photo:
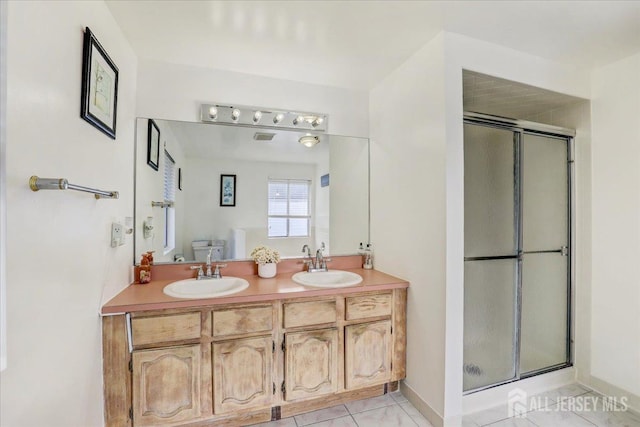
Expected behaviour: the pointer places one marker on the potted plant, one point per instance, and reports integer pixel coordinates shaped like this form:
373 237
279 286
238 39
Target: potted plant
266 258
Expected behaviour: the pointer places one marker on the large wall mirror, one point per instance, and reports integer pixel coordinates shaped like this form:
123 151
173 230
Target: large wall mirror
227 189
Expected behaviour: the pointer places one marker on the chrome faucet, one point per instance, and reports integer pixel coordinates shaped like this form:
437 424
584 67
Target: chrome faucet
209 263
209 274
320 262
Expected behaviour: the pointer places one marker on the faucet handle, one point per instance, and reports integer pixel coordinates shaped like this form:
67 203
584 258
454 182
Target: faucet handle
199 268
216 272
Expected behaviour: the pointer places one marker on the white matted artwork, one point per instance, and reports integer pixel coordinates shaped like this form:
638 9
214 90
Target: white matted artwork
99 86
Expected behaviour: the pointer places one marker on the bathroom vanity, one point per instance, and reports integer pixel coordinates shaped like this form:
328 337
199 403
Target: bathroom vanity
271 351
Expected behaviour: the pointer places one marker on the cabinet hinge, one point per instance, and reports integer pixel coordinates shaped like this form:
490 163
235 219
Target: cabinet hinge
284 348
391 367
392 330
283 389
130 365
273 347
131 413
274 388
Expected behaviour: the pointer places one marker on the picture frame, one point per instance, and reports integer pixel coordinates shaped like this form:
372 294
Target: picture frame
227 190
180 179
99 100
153 145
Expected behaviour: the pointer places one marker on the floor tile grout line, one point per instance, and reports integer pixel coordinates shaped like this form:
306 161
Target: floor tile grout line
587 420
405 411
372 409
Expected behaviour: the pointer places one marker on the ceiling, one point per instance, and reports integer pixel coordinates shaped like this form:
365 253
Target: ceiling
355 44
214 141
506 98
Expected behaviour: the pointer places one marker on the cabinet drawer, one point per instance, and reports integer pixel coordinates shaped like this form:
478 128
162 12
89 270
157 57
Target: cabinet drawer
160 329
309 313
245 320
364 306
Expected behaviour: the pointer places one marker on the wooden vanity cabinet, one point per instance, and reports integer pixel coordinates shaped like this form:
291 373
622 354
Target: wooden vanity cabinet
242 374
311 364
243 362
166 385
240 364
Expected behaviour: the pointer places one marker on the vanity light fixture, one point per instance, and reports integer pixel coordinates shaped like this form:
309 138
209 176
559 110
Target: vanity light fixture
265 117
309 140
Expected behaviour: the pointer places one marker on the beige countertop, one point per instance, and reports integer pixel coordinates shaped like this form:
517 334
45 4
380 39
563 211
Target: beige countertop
150 296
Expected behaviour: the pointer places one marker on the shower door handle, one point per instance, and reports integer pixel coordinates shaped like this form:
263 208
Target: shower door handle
564 251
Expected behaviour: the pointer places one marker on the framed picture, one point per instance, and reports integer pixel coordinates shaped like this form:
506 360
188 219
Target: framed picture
153 145
227 190
180 179
99 86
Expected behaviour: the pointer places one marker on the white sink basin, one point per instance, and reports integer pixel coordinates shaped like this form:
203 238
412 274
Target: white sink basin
327 279
205 288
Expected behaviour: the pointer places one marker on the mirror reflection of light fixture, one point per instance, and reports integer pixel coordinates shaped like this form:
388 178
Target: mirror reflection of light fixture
257 116
213 113
235 114
309 140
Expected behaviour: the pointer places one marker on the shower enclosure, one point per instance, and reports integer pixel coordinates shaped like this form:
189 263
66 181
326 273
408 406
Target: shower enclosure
518 251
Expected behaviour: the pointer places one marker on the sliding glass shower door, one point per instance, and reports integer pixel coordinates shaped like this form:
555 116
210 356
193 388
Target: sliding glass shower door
517 223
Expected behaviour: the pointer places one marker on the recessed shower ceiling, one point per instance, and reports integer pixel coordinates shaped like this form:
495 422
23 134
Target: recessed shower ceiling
506 98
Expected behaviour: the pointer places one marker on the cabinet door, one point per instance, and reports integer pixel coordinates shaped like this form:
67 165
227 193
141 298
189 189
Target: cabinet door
242 372
311 363
367 354
166 385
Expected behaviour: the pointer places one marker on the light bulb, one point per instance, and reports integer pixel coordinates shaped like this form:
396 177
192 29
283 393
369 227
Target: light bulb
298 120
235 114
317 122
213 113
278 118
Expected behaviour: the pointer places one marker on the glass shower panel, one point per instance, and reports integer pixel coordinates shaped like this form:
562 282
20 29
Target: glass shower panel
544 311
545 193
545 265
488 192
489 327
490 256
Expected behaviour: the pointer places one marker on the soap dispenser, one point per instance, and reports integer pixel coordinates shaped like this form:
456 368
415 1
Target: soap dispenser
368 257
144 271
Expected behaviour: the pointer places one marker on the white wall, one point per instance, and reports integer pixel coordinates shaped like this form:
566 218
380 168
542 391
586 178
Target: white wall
615 302
423 240
408 206
59 259
3 186
349 194
175 92
208 220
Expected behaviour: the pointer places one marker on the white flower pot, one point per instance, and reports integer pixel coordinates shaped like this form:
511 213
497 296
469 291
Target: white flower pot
267 270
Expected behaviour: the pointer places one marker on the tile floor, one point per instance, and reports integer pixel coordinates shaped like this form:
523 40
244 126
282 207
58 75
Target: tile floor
549 414
389 410
393 410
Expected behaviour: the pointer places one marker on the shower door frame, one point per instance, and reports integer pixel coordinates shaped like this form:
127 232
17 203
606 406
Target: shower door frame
519 129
